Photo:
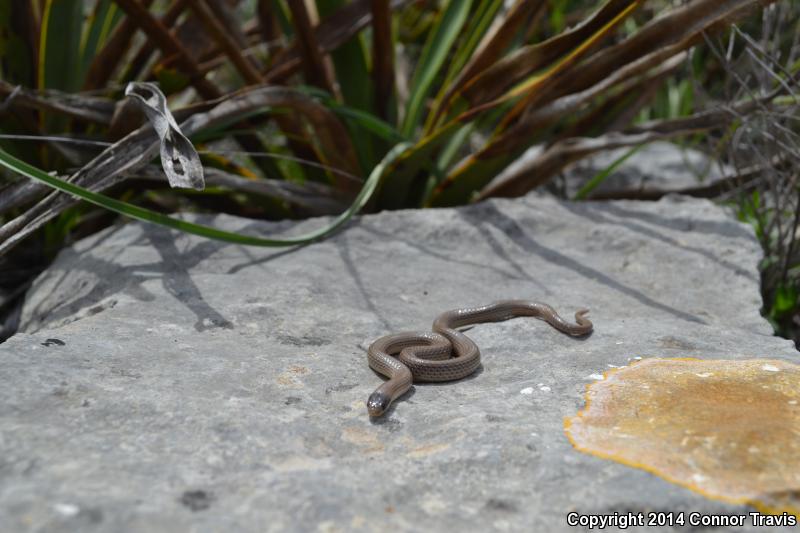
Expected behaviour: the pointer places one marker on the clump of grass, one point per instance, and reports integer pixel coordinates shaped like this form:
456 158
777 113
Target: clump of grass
763 146
306 107
469 69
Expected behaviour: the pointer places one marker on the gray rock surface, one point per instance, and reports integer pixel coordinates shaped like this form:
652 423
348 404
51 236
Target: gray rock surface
656 168
168 383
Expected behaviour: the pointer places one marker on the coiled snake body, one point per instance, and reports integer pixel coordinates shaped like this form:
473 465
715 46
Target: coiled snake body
427 356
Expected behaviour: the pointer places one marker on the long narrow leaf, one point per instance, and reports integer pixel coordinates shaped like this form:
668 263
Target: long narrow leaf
104 19
442 36
476 29
690 20
350 63
18 38
494 44
397 190
383 47
59 45
531 88
495 80
82 107
369 122
352 73
598 179
146 215
566 151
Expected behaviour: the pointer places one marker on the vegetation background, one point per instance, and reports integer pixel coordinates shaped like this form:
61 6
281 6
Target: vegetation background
301 108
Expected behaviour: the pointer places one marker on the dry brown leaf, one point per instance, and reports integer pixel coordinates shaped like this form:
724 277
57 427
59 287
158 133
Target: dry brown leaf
684 24
79 106
331 32
497 79
138 148
566 151
494 45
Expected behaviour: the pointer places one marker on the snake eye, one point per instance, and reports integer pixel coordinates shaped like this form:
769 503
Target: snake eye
378 403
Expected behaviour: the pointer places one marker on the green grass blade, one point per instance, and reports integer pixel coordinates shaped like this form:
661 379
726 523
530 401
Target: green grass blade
17 66
16 49
350 63
442 36
368 121
284 21
352 75
146 215
601 176
450 150
479 23
59 45
104 19
468 178
398 190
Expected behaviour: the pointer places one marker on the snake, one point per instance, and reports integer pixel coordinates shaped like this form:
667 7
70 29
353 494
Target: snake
446 354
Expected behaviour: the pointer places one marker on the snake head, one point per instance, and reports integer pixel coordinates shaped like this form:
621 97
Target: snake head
378 403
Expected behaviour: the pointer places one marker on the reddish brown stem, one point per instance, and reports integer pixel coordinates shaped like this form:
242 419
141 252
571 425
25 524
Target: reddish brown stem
382 56
106 61
231 48
169 45
141 58
312 60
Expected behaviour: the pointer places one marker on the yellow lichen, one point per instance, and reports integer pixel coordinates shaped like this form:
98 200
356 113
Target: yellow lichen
729 430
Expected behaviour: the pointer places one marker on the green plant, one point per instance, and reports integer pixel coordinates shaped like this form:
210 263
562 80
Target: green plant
483 84
763 146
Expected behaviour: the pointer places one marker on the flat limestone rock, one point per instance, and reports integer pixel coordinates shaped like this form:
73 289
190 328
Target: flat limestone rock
164 382
651 171
657 167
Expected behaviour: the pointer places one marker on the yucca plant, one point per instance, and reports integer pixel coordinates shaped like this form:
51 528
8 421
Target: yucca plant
296 102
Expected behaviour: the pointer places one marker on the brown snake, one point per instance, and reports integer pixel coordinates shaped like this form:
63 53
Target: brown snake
427 356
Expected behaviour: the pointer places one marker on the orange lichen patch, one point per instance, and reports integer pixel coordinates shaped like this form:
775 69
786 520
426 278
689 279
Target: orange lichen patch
361 437
289 378
729 430
428 449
